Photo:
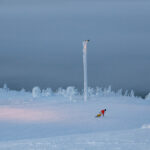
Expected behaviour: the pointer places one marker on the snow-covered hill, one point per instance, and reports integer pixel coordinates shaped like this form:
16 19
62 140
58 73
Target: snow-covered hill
46 120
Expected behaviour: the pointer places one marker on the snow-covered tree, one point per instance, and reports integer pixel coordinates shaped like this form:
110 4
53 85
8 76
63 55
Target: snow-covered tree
147 96
36 92
99 91
60 92
108 91
5 87
71 92
126 93
91 91
22 90
132 93
47 92
119 92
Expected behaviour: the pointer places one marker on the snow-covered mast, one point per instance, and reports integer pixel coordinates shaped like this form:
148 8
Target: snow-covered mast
85 68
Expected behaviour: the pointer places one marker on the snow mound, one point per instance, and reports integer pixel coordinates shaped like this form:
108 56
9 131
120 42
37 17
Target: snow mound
146 126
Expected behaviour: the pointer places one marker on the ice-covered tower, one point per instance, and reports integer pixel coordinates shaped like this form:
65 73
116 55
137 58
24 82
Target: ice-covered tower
85 68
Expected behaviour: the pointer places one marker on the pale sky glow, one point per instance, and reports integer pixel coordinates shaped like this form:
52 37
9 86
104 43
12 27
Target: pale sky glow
28 115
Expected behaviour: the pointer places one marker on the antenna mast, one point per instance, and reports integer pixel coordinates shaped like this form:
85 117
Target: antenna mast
85 69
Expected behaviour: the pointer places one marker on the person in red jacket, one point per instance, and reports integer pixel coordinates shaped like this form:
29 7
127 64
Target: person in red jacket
103 111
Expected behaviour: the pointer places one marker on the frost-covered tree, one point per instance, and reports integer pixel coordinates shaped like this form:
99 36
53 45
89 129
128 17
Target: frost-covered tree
119 92
22 90
99 91
71 92
132 93
147 96
126 93
60 92
91 91
108 91
5 87
47 92
36 92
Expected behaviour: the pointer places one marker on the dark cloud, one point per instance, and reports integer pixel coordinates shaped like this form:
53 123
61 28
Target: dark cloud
42 44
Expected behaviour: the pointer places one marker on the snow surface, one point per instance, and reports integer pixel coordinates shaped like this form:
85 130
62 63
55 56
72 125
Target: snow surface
43 120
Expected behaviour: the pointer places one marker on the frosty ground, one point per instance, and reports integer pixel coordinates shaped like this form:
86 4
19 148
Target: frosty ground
46 120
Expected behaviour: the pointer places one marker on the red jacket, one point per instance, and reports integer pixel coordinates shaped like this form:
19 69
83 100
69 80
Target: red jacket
103 111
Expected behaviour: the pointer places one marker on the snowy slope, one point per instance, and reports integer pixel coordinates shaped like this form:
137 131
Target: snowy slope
138 139
56 122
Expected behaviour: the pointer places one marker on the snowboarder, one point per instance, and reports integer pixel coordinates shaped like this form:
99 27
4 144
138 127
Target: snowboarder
103 111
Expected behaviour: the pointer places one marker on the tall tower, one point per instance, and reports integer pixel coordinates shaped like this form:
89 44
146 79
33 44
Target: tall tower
85 69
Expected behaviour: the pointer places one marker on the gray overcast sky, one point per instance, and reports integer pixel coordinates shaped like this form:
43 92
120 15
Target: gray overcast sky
41 43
